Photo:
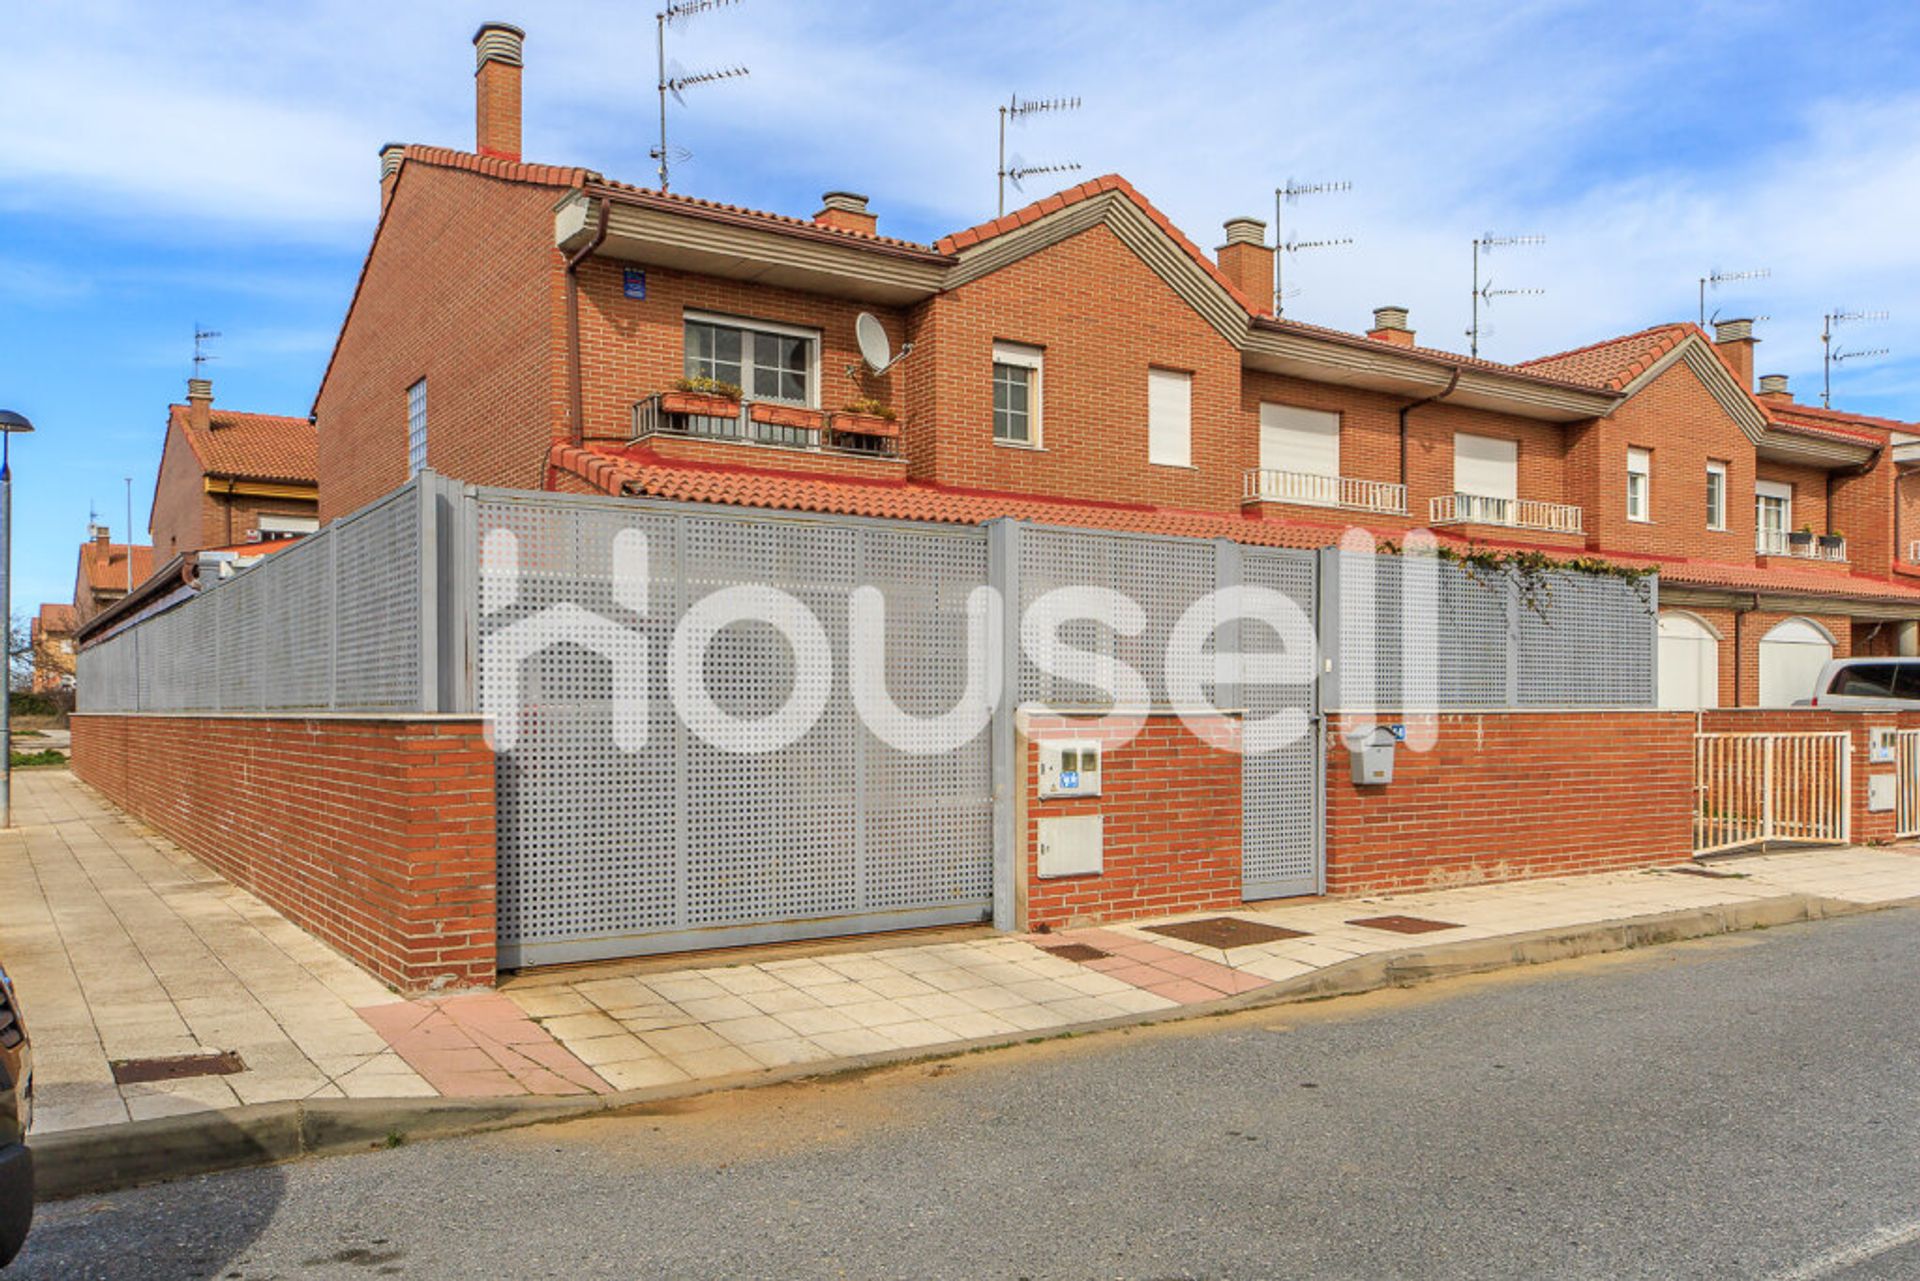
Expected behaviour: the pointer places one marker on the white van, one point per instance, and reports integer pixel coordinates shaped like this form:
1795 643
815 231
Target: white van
1867 684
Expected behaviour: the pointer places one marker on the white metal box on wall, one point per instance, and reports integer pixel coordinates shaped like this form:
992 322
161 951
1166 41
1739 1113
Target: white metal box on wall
1070 846
1069 768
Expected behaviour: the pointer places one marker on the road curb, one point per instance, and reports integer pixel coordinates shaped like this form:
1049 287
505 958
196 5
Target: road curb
109 1157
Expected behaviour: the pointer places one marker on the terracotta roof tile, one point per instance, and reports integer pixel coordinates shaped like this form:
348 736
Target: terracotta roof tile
1615 362
58 620
105 568
243 446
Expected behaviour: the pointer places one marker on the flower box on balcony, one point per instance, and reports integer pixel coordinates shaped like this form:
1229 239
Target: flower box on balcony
1832 542
700 404
786 416
847 423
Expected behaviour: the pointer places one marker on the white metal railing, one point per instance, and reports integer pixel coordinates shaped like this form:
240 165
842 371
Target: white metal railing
1516 513
1754 788
1906 755
1777 542
1268 484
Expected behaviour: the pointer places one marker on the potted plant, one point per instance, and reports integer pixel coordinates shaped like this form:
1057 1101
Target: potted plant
1801 537
1832 541
865 417
705 397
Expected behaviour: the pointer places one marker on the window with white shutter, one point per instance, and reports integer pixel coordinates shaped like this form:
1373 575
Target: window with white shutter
1486 467
1169 418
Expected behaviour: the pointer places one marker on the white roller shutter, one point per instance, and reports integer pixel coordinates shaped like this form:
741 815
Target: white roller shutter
1299 440
1169 418
1486 467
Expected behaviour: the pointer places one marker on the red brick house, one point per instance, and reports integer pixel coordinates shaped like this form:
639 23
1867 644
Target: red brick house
106 572
228 478
1080 350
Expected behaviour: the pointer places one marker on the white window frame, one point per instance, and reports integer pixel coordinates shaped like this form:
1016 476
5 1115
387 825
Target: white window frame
1034 360
748 327
1716 496
1169 417
416 427
1773 491
1640 485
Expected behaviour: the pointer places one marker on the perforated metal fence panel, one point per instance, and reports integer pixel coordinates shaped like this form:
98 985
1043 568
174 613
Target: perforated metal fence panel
1493 640
339 622
607 851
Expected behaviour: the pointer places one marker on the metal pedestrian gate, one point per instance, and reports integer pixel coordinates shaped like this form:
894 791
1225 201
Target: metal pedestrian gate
1906 755
1751 789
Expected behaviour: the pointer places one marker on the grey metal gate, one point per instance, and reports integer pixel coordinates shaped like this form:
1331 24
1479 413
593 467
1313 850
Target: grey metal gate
1283 847
610 852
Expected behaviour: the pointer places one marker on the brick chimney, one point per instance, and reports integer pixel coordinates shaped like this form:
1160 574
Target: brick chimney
1390 325
1247 260
102 537
496 90
846 211
1774 387
389 170
200 403
1736 342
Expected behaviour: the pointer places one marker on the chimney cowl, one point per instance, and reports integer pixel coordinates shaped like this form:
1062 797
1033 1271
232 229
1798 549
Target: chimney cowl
845 201
1389 317
1775 385
102 536
498 42
1246 231
1733 331
200 403
390 157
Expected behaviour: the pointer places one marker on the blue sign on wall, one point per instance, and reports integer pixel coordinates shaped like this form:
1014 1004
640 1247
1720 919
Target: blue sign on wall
633 283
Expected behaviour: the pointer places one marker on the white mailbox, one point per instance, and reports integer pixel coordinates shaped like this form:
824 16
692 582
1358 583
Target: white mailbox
1070 768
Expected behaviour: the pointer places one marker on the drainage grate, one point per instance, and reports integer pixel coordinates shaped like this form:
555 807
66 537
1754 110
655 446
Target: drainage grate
136 1071
1076 952
1403 924
1225 932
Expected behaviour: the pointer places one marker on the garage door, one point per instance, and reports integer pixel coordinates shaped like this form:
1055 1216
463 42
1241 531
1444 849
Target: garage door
1689 662
1791 656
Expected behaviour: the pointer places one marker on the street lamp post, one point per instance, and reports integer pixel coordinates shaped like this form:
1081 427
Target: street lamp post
10 423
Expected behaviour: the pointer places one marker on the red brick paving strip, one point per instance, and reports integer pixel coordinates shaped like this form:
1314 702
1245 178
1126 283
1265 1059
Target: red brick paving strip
481 1046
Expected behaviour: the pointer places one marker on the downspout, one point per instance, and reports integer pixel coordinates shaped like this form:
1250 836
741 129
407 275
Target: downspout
229 506
1739 649
575 389
1452 383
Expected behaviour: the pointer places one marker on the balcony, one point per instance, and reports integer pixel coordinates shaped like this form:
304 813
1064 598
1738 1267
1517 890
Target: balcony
1268 485
1512 513
701 416
1777 542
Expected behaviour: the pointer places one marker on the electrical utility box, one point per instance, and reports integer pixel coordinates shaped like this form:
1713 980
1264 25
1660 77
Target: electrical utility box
1883 793
1069 768
1372 756
1070 846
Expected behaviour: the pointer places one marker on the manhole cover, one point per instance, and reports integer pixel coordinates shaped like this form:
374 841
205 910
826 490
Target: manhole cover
1225 932
135 1071
1076 952
1403 924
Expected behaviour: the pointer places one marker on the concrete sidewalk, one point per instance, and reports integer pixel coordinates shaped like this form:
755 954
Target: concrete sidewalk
125 947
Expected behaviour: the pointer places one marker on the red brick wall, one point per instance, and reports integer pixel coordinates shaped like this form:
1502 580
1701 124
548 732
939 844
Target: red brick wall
1862 509
1809 492
377 835
1102 318
1502 797
461 287
1677 419
1170 805
179 501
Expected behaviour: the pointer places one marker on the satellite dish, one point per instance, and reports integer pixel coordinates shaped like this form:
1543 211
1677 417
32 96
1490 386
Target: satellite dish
874 347
875 351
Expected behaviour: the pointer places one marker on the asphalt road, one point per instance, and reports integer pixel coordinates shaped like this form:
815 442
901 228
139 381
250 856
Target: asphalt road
1746 1107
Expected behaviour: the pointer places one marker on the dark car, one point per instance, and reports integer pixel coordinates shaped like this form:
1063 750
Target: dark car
16 1112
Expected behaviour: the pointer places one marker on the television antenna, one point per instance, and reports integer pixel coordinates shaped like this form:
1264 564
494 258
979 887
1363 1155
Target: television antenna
1484 292
1715 278
876 350
1831 355
201 337
1017 109
1283 196
674 78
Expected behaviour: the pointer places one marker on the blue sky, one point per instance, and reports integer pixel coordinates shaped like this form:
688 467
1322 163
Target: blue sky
162 164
